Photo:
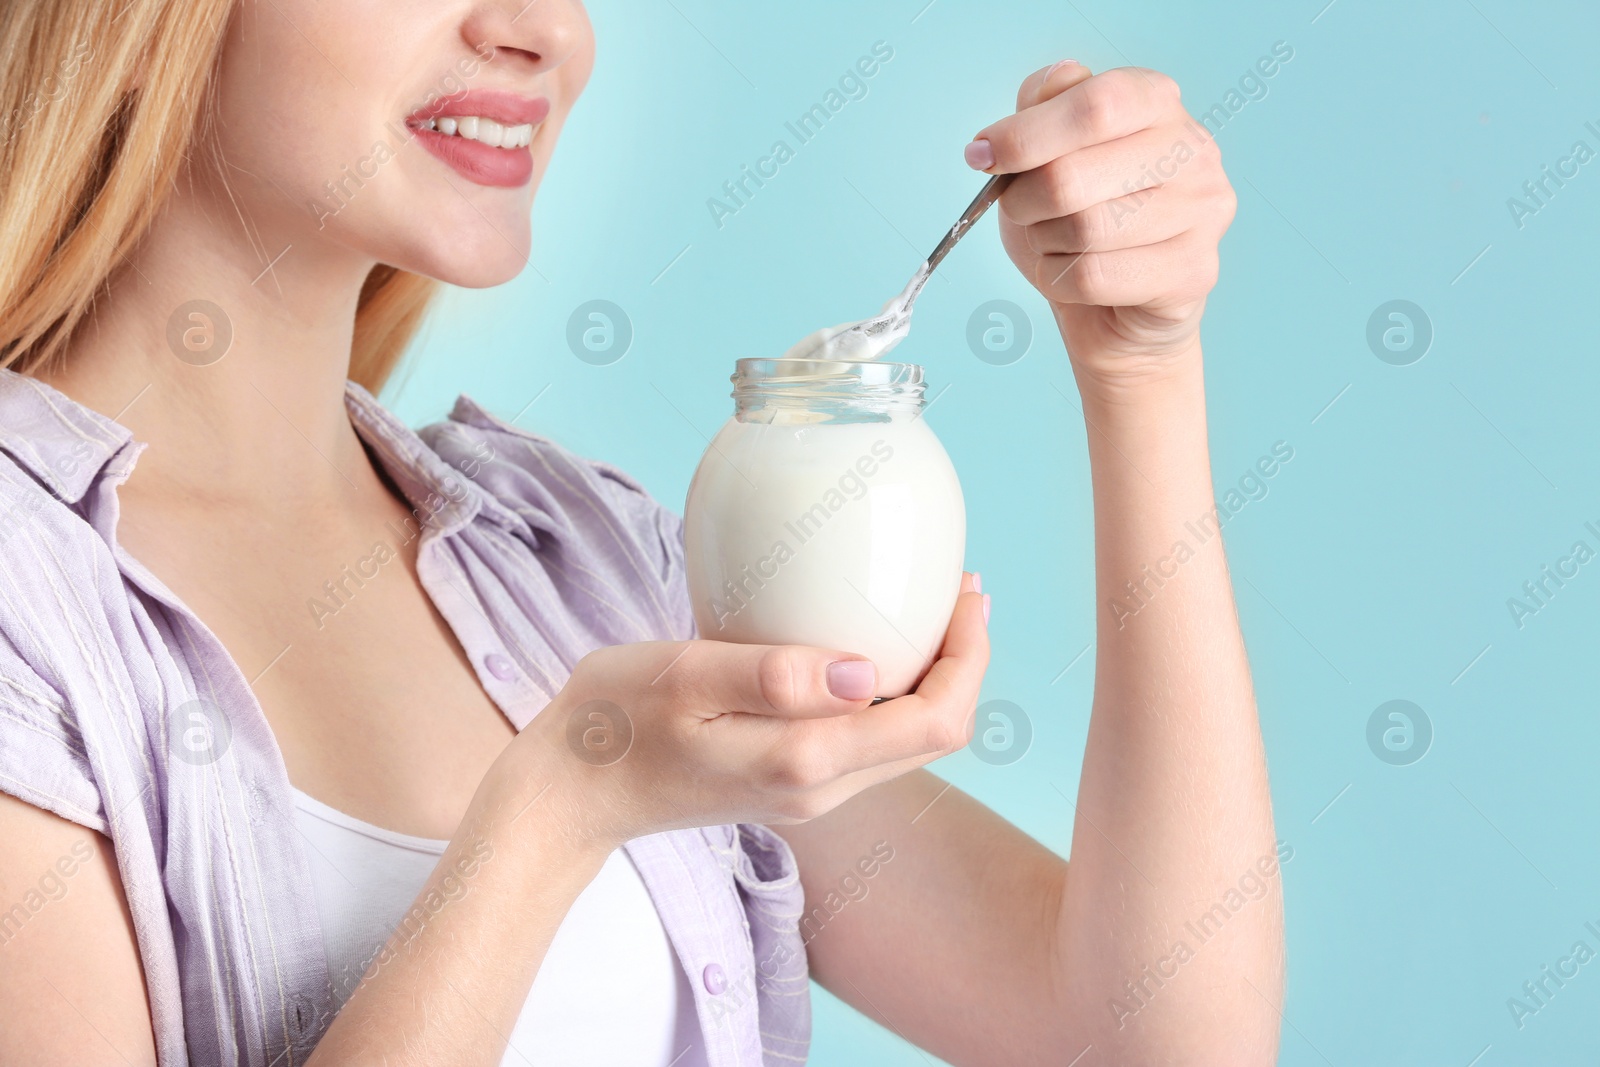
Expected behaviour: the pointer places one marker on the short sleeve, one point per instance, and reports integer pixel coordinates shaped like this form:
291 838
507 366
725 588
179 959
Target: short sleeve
42 756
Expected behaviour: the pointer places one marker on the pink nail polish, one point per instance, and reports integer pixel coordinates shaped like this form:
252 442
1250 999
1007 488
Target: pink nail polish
980 155
986 609
1064 63
977 582
852 679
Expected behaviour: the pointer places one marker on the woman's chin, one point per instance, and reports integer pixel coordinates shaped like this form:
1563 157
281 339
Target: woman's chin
467 269
480 278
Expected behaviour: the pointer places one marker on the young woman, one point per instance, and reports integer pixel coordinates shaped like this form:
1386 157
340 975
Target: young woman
223 809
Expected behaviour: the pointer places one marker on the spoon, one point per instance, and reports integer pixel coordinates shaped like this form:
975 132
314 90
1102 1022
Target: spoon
871 338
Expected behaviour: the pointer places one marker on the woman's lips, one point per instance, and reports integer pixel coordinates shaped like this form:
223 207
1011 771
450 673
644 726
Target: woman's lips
474 160
477 162
511 109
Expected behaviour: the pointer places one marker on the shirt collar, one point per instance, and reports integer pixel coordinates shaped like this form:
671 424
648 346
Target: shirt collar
53 437
66 446
441 496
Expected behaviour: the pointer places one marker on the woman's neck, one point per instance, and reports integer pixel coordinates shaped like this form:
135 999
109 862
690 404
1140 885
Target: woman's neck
267 418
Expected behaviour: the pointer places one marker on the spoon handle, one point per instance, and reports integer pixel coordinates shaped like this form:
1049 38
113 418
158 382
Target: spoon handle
986 196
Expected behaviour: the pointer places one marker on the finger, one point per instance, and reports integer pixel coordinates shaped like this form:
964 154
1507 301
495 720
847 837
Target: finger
1147 217
1077 181
831 759
836 790
957 674
1100 108
781 681
931 722
1047 82
843 788
1172 272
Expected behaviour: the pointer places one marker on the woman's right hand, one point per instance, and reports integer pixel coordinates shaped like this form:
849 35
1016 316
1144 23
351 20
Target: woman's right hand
665 735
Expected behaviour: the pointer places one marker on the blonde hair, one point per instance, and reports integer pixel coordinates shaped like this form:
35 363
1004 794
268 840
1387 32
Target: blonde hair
86 158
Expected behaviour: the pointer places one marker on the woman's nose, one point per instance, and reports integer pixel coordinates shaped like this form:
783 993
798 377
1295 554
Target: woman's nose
546 33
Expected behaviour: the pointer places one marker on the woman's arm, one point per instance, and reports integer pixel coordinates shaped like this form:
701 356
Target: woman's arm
720 733
450 989
1173 816
446 992
70 980
1164 945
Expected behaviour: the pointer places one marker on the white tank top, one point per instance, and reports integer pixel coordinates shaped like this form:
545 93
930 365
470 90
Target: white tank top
610 990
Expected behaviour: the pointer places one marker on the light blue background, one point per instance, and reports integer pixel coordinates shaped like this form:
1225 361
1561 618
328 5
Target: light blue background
1377 167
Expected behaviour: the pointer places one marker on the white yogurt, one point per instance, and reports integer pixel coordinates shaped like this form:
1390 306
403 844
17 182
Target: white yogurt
844 341
842 535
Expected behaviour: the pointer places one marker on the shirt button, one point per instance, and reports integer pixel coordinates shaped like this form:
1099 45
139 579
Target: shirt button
499 666
715 981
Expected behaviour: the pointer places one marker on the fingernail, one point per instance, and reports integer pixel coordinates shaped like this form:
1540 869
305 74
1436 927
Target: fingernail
977 582
1058 66
980 155
986 609
852 679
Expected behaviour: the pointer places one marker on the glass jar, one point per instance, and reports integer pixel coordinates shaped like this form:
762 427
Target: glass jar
826 513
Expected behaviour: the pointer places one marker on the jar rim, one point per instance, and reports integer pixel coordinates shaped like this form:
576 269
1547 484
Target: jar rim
833 390
870 372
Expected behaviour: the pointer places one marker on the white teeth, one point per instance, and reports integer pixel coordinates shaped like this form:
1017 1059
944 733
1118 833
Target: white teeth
485 131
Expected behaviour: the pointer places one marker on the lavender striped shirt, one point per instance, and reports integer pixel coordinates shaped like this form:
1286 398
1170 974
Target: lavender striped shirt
532 555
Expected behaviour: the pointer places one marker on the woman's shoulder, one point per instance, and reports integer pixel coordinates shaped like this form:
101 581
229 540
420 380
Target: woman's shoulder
54 605
57 573
60 464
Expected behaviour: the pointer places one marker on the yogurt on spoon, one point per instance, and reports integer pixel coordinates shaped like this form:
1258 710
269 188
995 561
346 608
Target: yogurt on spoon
871 338
866 338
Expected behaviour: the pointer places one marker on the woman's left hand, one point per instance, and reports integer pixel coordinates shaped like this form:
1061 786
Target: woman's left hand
1115 215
